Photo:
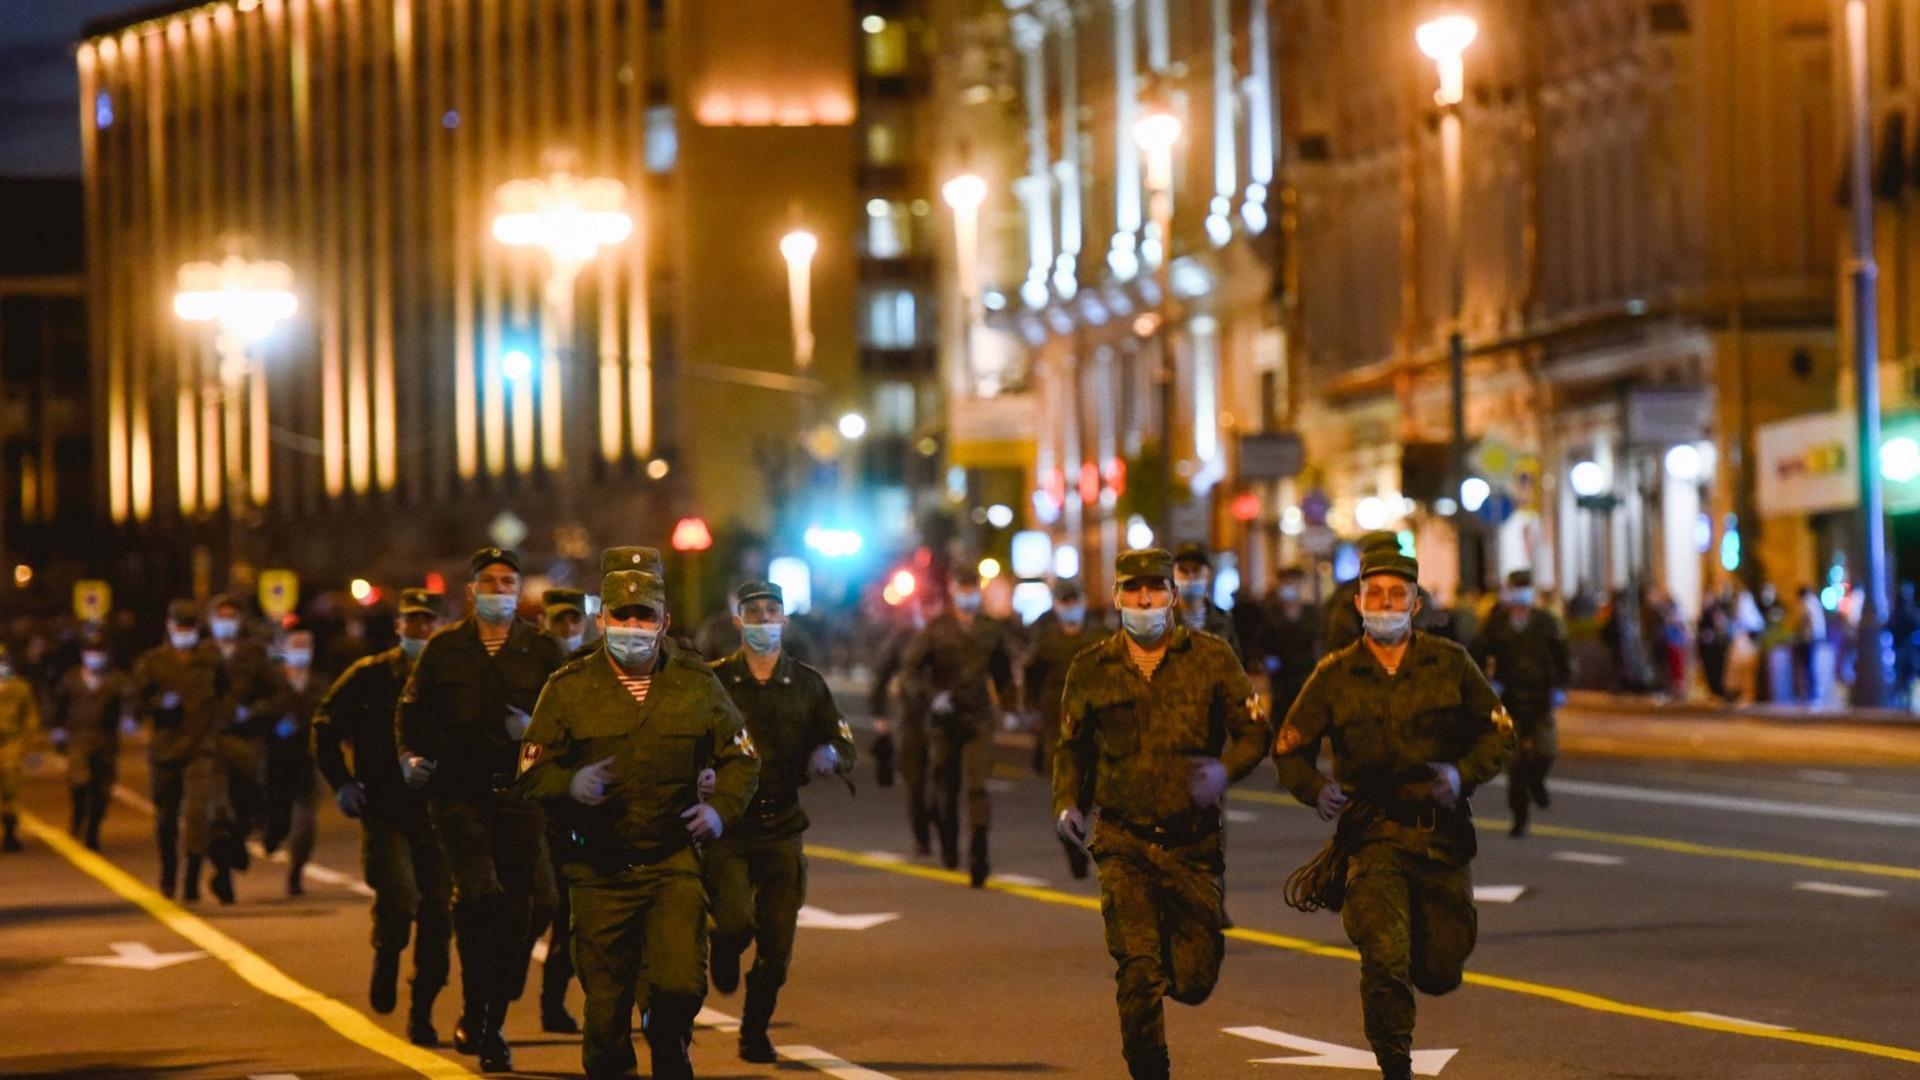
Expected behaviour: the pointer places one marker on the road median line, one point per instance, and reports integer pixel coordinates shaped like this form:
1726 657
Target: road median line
252 968
1576 998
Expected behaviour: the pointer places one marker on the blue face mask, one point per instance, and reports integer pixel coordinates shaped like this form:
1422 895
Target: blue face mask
183 639
762 638
224 629
1145 625
412 646
1387 627
298 658
572 644
968 602
1521 597
495 608
1072 614
630 646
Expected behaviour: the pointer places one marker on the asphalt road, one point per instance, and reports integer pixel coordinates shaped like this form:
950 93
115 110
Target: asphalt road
1682 919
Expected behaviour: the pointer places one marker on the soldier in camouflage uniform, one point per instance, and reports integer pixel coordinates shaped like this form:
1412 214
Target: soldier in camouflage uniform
181 690
19 723
1193 580
757 872
1415 728
1156 721
618 743
1340 618
565 615
87 721
1523 650
1067 634
902 732
959 674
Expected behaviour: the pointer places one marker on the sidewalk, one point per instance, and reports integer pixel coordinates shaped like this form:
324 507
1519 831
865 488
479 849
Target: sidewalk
1642 726
1664 705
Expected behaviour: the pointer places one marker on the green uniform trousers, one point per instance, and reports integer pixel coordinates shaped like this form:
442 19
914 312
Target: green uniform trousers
189 796
758 886
640 922
1413 919
1162 907
960 754
1536 744
503 890
912 736
412 894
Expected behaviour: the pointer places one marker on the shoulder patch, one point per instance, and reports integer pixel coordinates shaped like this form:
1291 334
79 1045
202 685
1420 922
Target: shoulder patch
846 732
1502 719
1288 740
530 756
745 742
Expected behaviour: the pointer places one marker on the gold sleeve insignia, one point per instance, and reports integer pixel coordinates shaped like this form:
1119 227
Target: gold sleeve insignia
745 742
1502 720
1288 740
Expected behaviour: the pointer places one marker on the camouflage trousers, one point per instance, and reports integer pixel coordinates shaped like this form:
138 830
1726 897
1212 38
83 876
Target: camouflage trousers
1162 907
1413 919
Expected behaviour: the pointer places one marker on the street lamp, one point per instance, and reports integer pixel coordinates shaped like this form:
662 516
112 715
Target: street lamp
1872 674
244 300
798 248
1155 132
1444 40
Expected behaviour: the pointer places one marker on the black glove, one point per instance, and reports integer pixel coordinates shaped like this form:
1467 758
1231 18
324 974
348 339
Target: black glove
883 759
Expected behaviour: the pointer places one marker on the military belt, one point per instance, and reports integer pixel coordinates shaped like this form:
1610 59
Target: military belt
1171 832
1420 814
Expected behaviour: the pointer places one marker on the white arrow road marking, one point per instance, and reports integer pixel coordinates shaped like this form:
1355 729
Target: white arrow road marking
1739 1020
713 1018
1588 857
1498 894
811 1056
1242 817
1859 892
1326 1055
813 918
362 888
1020 879
139 956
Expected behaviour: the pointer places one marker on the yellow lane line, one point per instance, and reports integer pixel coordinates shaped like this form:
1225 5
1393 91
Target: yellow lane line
1577 999
1658 843
256 970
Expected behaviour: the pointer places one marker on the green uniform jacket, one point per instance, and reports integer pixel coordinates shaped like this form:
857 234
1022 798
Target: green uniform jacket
1216 621
658 747
357 710
971 663
19 714
787 716
453 710
199 677
1046 672
1530 662
1126 741
1387 728
253 679
91 714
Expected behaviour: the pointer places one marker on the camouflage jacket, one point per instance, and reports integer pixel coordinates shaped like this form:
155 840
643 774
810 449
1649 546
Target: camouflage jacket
202 710
91 714
1046 670
973 664
659 747
788 717
1126 742
1529 662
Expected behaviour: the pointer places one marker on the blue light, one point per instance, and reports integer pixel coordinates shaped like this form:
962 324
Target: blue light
103 110
450 119
1730 545
833 543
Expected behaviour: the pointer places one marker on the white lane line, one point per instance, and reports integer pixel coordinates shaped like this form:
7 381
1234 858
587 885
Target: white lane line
1242 817
1498 894
811 1056
1021 880
1859 892
1590 858
1762 1025
274 1076
1822 776
1742 804
885 856
325 875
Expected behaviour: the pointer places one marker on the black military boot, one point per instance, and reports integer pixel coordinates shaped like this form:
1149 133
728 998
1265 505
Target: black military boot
1396 1071
977 868
383 990
949 829
420 1029
495 1054
1520 810
222 885
754 1018
10 833
191 894
669 1033
1150 1065
725 962
470 1028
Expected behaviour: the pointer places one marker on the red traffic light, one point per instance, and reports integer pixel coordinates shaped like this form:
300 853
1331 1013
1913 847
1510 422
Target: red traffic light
691 534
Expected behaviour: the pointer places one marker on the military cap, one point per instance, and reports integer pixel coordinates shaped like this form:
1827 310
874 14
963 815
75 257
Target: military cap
1067 590
183 613
1194 551
1142 563
631 588
1390 561
487 556
965 575
759 590
633 558
221 600
1376 540
1520 579
556 601
414 601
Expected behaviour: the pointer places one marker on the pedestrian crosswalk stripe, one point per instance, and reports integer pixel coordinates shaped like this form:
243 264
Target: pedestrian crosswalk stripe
1576 998
253 968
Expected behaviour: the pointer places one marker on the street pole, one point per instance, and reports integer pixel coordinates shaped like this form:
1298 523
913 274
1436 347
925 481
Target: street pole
1444 40
1871 674
1156 132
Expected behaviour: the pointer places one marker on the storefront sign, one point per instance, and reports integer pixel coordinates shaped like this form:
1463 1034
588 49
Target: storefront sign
1662 415
1806 465
1271 457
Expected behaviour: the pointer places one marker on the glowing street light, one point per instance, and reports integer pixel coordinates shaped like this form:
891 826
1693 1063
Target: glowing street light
244 299
516 365
853 426
798 248
1588 479
1156 132
1444 40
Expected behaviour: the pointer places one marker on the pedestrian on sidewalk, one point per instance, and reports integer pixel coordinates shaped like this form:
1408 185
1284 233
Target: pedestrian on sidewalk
1904 625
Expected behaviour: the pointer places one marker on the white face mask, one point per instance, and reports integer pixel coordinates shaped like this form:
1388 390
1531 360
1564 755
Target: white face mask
1145 625
183 639
1072 614
968 602
297 658
412 646
762 638
631 646
1193 590
1289 595
572 644
1387 627
1520 597
495 608
94 661
224 629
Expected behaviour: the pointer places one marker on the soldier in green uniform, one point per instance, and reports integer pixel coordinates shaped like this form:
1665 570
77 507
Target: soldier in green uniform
399 855
565 612
465 707
757 873
19 722
292 786
251 681
88 707
1193 579
959 674
1340 621
618 743
1523 650
1415 728
181 690
897 711
1064 637
1156 721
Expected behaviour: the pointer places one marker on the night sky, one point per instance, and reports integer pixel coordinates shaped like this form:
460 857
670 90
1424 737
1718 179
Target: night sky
39 90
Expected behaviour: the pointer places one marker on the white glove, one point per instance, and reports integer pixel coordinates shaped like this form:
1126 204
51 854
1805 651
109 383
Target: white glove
1072 827
589 785
416 770
703 822
1446 784
517 721
170 699
708 783
824 761
942 703
129 725
58 736
1331 801
1206 780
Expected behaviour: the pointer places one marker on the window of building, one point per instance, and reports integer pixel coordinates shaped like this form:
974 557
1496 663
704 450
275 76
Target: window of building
889 229
883 143
885 49
890 319
893 408
663 139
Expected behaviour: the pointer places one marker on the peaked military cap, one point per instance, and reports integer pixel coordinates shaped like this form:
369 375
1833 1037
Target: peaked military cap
631 588
487 556
556 601
416 601
183 613
759 590
1520 579
1378 539
633 558
1067 590
1193 551
1142 563
1390 561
